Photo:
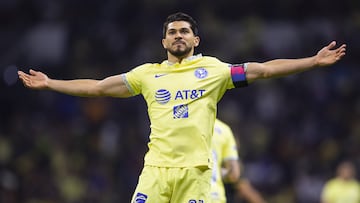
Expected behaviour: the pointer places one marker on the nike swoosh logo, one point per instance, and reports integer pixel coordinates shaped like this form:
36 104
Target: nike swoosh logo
160 75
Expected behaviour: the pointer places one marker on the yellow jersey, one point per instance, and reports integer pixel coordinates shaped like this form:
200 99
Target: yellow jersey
182 102
339 191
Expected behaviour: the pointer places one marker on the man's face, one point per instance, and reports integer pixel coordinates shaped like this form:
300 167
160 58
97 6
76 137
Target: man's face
180 39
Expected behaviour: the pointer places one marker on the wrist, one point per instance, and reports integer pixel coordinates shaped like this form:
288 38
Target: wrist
48 84
314 61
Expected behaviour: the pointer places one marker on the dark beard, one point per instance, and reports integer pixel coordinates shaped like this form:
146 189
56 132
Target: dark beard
180 53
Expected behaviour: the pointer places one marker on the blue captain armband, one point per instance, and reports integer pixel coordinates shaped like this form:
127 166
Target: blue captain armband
238 75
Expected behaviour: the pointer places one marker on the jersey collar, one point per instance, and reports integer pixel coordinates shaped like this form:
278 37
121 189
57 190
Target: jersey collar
190 58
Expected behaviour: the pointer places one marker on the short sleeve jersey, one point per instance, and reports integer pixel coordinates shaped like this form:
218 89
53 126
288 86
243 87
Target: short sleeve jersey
224 148
182 99
337 191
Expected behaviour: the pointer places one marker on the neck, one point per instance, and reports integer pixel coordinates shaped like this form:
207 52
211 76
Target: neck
177 59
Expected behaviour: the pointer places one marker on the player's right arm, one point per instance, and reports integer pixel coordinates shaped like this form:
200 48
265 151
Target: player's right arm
113 86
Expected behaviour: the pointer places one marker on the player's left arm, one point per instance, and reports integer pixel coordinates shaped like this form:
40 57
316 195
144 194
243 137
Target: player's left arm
328 55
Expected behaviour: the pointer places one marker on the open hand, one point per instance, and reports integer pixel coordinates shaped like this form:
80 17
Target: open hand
328 56
34 80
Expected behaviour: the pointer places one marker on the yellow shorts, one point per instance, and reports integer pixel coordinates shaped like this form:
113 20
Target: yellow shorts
173 185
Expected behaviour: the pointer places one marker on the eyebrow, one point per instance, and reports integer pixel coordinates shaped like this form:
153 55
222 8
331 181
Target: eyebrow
174 29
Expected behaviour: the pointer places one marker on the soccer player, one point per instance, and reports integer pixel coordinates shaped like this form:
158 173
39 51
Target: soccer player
226 167
181 94
344 187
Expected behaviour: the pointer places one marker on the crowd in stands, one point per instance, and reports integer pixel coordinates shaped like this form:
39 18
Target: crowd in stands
292 132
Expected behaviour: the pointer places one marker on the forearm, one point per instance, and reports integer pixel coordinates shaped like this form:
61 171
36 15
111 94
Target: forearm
80 87
284 67
278 68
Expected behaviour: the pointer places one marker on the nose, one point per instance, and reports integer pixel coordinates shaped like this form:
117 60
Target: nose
178 35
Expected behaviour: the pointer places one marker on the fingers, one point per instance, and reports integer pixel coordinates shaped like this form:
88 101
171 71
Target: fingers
25 78
338 52
341 50
21 74
331 45
32 72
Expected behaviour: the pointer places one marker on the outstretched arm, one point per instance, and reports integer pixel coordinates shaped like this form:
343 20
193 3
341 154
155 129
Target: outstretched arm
282 67
113 86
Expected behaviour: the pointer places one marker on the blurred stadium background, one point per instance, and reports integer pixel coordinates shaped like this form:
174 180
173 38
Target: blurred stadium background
292 131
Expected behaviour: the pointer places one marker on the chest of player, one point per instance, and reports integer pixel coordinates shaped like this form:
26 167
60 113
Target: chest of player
179 85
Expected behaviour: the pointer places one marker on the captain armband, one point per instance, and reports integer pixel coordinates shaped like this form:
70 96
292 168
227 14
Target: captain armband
238 75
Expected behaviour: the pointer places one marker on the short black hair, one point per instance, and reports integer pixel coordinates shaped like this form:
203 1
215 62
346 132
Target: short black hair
180 16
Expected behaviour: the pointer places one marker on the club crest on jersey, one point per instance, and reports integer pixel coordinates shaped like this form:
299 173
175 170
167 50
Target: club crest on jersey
201 73
140 198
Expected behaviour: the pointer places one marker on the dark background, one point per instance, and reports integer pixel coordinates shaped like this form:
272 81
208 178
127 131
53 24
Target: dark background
292 131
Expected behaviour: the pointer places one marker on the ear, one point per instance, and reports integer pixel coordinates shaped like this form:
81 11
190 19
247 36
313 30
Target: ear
163 43
196 41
